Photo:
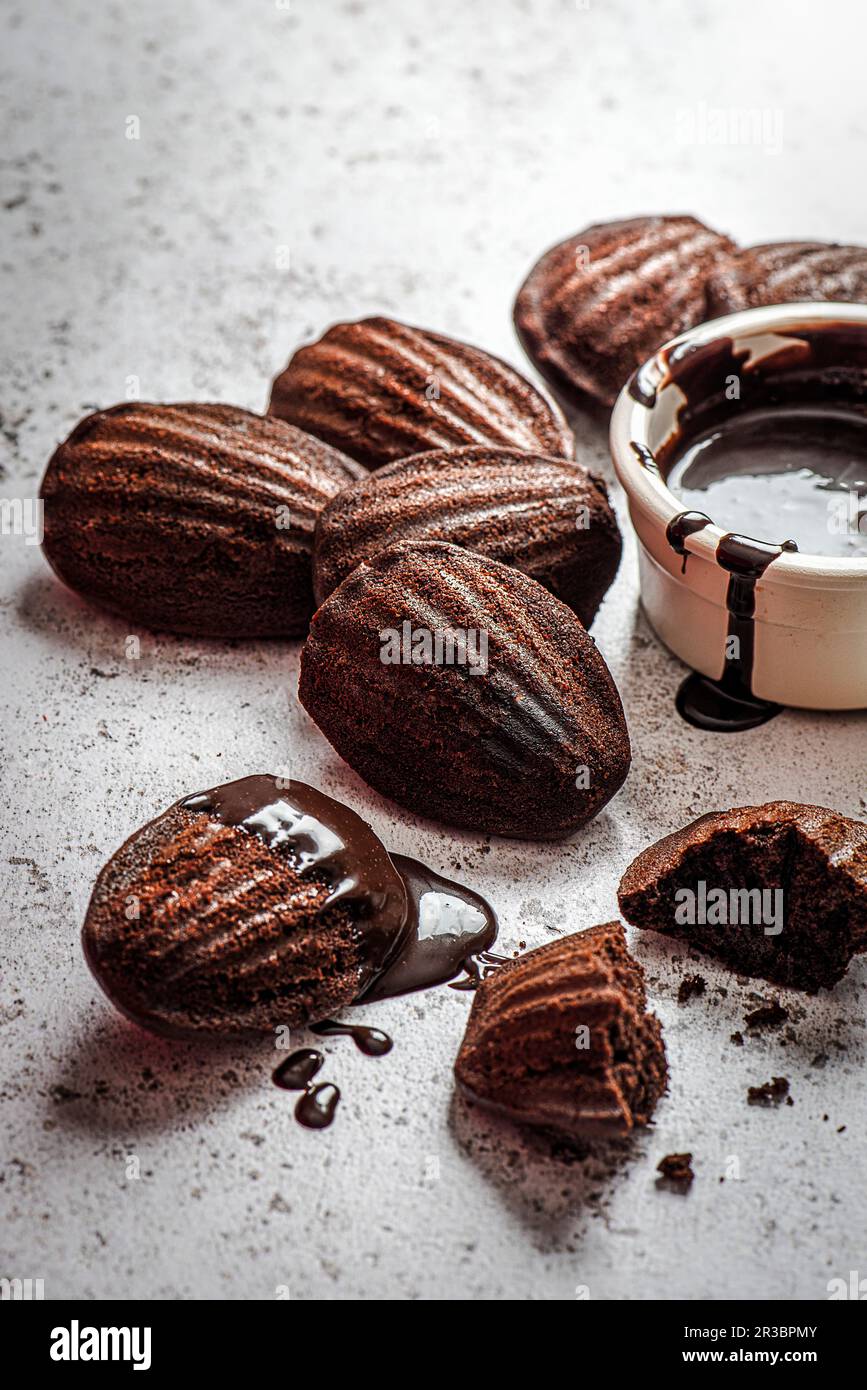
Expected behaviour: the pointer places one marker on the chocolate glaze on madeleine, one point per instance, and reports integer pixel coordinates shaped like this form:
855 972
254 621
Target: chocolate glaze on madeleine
264 903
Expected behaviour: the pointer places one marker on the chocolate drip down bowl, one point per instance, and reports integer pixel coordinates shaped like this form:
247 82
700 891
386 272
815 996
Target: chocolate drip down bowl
742 447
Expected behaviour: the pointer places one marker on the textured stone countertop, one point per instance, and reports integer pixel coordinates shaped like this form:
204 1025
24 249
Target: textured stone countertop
413 160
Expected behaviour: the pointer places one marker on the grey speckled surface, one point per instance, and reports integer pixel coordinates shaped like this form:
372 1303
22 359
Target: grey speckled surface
413 160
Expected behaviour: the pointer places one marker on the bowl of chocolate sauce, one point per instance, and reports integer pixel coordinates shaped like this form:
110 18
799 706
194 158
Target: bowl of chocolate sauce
742 448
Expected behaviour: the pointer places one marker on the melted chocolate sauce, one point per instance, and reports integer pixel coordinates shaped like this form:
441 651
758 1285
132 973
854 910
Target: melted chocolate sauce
316 1107
645 457
728 705
801 467
298 1070
327 840
371 1041
478 968
680 527
448 925
769 441
417 928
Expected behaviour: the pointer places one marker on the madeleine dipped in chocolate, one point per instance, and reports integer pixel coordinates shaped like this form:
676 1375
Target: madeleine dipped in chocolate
253 905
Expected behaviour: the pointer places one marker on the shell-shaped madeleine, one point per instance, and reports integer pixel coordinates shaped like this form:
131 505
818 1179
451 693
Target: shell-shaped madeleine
595 306
258 904
195 519
560 1038
380 390
546 517
466 692
789 272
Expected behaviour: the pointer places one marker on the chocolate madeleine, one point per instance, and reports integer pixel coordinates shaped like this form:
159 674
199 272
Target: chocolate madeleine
561 1039
777 891
380 390
252 905
466 692
264 903
550 519
788 272
595 306
195 519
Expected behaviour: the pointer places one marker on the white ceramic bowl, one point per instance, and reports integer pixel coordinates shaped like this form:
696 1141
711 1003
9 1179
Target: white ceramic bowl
811 611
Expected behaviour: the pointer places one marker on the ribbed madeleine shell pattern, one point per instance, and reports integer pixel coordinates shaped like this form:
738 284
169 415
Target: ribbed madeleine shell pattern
789 272
522 509
595 306
379 390
196 926
500 750
191 518
524 1051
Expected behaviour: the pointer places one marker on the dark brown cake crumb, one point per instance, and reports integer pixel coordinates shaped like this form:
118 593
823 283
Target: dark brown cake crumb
690 987
676 1171
767 1016
737 1039
770 1092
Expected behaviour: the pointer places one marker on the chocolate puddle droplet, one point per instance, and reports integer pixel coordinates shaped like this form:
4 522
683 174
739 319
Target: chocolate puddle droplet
315 1109
447 925
705 704
298 1070
371 1041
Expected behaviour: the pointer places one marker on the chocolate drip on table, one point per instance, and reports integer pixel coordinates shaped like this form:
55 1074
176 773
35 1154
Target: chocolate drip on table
371 1041
316 1106
728 705
448 925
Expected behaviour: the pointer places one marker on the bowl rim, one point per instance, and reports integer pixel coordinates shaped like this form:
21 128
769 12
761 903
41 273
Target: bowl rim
630 419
